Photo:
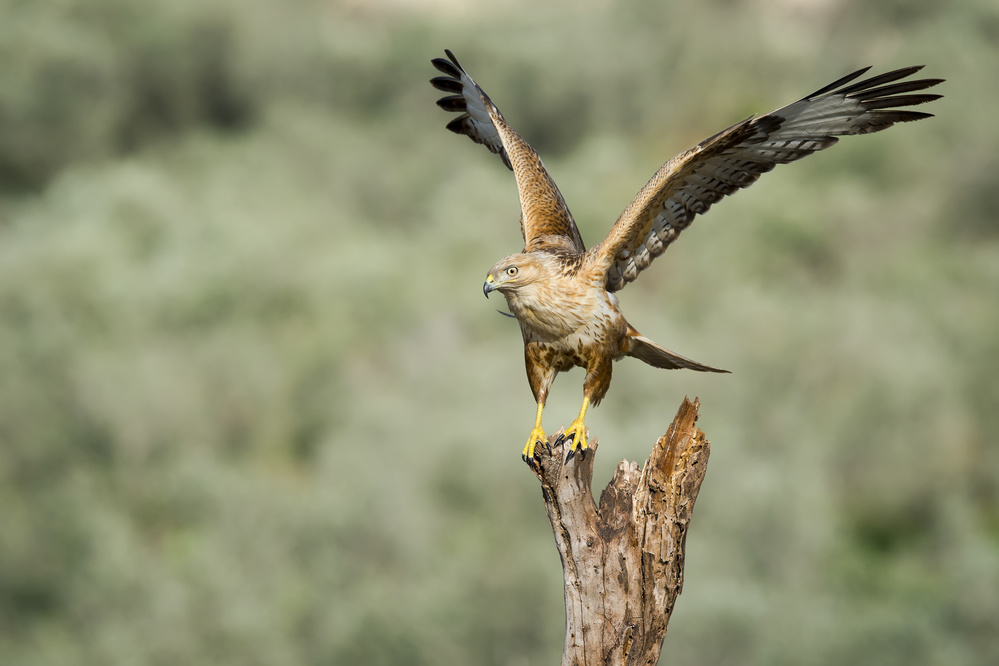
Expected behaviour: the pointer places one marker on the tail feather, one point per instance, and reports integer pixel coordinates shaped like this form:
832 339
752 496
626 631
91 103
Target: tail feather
658 356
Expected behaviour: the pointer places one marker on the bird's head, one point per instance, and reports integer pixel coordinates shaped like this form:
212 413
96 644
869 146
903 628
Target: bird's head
514 272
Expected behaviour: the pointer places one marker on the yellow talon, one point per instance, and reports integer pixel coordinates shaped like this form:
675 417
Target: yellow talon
537 435
577 432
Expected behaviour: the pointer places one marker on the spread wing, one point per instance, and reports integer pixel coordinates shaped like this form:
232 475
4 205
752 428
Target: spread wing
690 182
545 220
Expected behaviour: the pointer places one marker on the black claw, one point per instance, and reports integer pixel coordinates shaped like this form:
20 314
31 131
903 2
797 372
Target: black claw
560 439
572 436
569 455
548 446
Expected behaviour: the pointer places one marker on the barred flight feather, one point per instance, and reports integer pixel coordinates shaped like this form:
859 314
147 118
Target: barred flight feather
690 183
546 221
472 102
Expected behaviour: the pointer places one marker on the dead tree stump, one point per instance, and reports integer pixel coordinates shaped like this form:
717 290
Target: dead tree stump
623 561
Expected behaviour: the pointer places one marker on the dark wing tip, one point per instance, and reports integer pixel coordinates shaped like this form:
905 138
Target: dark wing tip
446 84
881 79
451 66
881 96
902 116
899 100
454 103
457 125
876 86
839 82
897 88
442 65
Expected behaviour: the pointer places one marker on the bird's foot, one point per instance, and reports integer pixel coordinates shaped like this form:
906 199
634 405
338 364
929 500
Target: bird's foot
537 437
576 434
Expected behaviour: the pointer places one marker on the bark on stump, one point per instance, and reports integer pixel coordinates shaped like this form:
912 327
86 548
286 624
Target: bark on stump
623 561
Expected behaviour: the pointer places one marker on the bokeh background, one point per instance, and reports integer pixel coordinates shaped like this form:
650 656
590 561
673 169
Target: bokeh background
255 410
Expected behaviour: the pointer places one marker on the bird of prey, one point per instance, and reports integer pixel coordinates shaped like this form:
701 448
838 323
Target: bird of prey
563 294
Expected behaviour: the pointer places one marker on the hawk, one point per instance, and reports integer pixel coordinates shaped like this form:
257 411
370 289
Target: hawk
563 294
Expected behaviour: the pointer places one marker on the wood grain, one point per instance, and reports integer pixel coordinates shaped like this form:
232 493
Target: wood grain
623 560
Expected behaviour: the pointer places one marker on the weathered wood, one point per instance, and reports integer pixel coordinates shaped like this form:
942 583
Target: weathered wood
623 561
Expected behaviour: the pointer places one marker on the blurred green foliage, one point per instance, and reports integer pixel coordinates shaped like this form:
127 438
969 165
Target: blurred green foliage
253 409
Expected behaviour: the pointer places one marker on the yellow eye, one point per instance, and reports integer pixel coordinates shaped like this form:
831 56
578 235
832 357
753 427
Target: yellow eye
511 271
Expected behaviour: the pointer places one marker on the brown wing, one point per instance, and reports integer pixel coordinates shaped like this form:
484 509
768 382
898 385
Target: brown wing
545 220
689 183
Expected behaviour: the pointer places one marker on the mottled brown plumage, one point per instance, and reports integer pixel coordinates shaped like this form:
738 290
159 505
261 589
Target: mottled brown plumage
562 294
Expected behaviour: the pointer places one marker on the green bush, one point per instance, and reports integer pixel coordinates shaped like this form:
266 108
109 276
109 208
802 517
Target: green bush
254 408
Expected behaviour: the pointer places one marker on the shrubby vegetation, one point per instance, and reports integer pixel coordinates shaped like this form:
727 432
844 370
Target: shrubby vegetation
243 354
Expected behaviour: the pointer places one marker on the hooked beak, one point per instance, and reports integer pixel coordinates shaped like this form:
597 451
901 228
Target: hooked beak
489 285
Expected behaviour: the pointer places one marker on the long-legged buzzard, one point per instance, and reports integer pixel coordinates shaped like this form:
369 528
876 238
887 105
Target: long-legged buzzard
563 294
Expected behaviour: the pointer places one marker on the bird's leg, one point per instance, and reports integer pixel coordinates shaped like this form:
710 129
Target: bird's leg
576 432
536 437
